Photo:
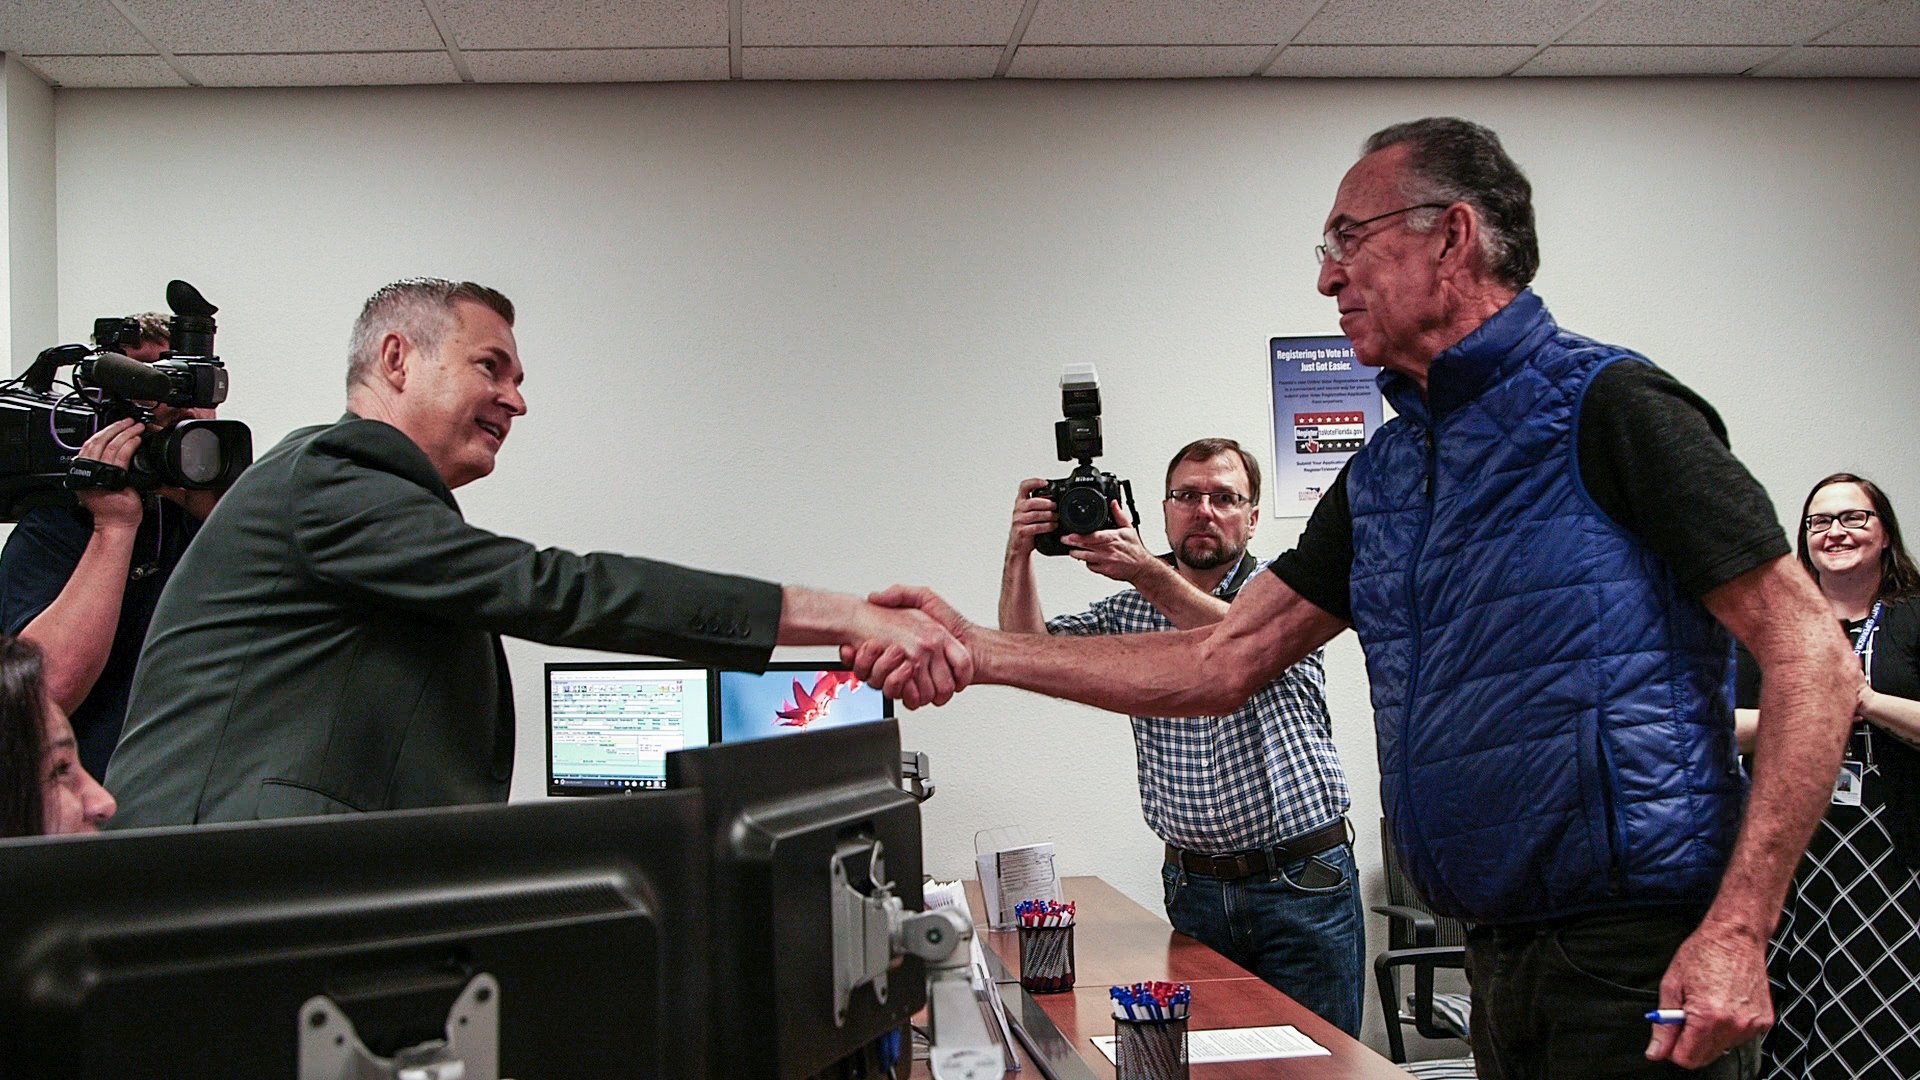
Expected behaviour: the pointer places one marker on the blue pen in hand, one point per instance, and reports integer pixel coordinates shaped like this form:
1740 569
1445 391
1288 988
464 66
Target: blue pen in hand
1667 1016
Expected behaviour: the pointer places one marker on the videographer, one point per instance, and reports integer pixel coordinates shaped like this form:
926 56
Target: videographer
1251 805
82 581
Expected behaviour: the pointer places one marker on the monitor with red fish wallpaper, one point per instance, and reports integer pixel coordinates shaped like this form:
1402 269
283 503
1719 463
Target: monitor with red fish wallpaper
793 697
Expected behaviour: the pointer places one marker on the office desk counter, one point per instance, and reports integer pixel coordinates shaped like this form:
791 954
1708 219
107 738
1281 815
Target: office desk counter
1118 941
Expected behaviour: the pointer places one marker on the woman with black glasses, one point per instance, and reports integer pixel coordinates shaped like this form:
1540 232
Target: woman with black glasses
1845 963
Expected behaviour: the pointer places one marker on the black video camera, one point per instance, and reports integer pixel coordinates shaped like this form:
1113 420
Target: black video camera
40 432
1083 499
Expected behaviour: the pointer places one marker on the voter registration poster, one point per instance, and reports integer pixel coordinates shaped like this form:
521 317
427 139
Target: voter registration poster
1325 407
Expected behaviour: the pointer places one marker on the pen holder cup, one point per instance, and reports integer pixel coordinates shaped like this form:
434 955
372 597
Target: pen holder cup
1150 1049
1046 959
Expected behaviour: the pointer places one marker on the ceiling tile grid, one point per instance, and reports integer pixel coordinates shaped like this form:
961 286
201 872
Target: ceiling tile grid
595 65
285 26
877 22
75 43
890 62
1856 62
322 69
585 24
1722 22
1441 22
1137 61
106 71
67 27
1399 61
1145 22
1647 60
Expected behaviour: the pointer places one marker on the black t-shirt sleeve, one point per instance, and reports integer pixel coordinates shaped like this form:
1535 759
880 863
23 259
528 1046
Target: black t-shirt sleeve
1322 565
1654 456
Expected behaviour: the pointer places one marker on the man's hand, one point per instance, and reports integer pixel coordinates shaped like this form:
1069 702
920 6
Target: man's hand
878 662
1117 553
1719 978
1033 517
908 654
112 445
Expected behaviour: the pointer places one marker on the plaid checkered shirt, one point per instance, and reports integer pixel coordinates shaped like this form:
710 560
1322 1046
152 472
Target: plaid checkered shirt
1216 784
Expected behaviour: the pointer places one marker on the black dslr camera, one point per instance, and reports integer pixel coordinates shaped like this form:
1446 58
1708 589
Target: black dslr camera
1083 499
40 432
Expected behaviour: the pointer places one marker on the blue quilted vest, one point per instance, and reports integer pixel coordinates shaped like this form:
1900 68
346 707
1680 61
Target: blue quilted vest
1555 725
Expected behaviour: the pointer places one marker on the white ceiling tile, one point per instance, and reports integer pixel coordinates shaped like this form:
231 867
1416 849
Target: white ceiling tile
321 69
105 70
1723 22
585 24
1896 22
1847 62
1655 60
1441 22
878 22
1154 22
596 65
885 62
283 26
66 26
1398 61
1136 61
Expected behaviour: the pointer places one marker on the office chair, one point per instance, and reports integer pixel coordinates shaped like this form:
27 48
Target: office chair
1423 941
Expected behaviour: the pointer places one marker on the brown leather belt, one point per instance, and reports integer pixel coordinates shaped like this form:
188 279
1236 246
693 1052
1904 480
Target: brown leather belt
1239 864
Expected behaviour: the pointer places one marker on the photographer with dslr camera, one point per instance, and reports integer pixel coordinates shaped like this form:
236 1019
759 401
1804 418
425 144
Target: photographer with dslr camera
81 581
1252 805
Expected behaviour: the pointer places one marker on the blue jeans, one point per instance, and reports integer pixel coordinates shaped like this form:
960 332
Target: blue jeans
1308 942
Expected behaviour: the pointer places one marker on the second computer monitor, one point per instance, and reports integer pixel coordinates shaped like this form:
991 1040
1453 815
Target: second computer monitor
610 726
793 697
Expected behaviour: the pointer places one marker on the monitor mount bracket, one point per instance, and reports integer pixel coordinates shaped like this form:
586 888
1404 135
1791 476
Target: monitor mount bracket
871 930
330 1049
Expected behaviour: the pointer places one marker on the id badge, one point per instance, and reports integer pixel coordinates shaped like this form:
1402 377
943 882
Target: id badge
1846 786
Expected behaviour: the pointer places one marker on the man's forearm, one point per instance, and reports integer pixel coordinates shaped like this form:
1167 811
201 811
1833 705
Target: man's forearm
1020 597
1185 604
1202 672
1807 696
75 633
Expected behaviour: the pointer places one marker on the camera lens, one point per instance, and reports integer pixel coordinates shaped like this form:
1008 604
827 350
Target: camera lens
1083 510
200 458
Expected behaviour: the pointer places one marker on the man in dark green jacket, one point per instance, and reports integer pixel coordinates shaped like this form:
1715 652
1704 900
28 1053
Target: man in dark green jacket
331 641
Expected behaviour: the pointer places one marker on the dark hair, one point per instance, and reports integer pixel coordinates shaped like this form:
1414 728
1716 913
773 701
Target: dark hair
420 308
1898 577
22 738
1455 160
1208 449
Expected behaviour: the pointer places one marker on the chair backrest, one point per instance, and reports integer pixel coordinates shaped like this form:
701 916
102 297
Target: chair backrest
1400 933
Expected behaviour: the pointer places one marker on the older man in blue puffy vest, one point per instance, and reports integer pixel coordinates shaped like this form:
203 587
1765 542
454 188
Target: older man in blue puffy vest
1543 555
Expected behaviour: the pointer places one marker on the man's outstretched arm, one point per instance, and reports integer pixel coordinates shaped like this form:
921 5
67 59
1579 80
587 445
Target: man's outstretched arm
1719 975
1203 672
929 664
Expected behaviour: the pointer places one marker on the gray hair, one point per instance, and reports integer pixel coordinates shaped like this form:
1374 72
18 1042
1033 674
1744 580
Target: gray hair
1455 160
419 309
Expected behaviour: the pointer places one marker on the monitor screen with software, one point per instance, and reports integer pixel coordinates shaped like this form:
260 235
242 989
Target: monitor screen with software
611 725
792 697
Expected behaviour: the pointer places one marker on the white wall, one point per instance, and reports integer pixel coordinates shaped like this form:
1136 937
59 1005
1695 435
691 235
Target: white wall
27 307
812 332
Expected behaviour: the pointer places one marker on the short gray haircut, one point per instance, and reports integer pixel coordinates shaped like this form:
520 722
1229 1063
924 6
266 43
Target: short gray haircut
1455 160
419 309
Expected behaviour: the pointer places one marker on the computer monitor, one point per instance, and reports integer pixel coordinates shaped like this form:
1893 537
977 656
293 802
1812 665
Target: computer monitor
794 697
575 931
610 726
785 819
